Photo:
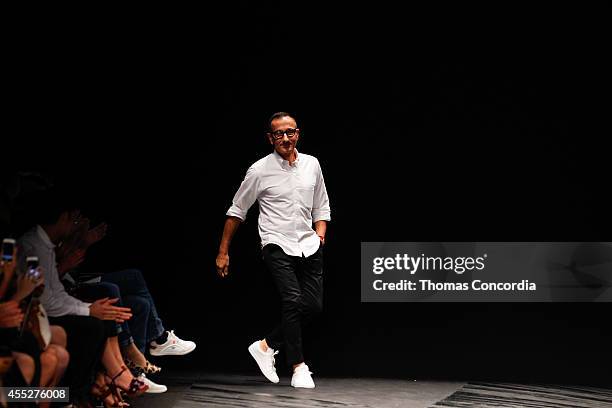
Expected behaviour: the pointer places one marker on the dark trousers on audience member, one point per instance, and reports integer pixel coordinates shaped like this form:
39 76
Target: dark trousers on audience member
86 340
145 324
90 292
299 281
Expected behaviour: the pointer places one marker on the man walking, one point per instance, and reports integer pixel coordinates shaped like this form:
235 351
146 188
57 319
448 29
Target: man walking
292 198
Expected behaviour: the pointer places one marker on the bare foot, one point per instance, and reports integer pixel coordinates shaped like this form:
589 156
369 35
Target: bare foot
124 380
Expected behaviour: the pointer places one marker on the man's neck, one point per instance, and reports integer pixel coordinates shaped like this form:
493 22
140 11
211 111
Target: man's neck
291 158
52 233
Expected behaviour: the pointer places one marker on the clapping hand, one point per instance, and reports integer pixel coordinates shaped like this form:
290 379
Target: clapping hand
95 234
70 261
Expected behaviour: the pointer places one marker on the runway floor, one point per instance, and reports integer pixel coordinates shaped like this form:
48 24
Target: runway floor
197 390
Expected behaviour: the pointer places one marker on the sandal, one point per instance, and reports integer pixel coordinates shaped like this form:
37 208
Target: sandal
107 394
135 388
149 368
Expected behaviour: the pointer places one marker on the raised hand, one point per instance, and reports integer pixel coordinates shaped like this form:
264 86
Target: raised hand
26 285
7 270
95 234
70 261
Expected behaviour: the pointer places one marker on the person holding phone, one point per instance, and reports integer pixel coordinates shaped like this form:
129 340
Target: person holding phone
145 329
52 359
292 198
8 263
90 326
8 247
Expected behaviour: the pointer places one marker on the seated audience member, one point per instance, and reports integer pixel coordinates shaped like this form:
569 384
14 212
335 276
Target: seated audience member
90 292
90 327
146 327
35 364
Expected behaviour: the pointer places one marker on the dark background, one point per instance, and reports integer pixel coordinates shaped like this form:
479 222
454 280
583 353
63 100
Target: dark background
429 125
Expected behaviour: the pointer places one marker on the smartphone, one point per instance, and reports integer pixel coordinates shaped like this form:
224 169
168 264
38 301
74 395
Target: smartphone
8 245
32 265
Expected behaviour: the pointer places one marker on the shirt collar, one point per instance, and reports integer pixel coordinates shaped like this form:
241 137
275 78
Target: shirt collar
45 238
285 163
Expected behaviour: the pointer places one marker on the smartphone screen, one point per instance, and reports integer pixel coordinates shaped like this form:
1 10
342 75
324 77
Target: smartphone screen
7 249
32 265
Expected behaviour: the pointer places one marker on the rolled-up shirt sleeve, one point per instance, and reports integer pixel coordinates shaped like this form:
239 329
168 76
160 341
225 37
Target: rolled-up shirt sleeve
320 203
245 196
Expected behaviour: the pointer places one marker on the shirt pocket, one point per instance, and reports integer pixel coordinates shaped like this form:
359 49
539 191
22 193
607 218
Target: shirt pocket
306 196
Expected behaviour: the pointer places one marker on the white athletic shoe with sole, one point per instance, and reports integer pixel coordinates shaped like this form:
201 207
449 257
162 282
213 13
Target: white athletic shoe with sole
265 361
301 377
172 347
154 388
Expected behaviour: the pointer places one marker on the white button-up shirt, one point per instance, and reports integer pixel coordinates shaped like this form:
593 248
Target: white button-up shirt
54 298
291 198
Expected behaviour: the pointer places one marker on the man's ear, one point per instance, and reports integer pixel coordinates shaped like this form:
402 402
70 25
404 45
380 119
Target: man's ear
269 136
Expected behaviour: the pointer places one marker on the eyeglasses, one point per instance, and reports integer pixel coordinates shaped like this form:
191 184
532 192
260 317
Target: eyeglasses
279 133
76 217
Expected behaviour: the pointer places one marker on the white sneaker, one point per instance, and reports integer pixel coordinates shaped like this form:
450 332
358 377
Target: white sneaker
265 361
172 347
301 377
154 388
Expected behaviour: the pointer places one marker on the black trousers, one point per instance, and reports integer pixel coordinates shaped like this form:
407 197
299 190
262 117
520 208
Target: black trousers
86 339
299 281
95 291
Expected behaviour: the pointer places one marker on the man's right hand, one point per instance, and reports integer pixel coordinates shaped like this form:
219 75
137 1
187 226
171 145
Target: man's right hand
103 309
222 264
